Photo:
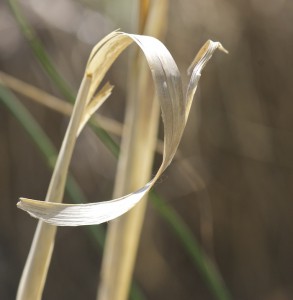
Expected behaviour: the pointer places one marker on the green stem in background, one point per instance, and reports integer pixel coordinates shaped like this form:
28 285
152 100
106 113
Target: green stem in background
49 153
206 268
50 69
188 240
35 271
40 52
105 138
45 147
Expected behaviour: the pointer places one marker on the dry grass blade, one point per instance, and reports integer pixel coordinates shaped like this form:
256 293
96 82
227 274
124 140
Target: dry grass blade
174 106
36 94
65 108
60 106
135 161
35 271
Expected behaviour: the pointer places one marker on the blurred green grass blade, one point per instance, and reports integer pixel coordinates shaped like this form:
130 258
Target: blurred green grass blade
45 147
136 293
40 139
176 224
105 138
40 52
49 153
192 247
29 124
48 66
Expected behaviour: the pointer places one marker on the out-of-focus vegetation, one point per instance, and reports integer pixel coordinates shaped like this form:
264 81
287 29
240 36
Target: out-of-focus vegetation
237 148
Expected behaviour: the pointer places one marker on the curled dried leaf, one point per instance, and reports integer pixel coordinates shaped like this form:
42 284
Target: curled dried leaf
174 106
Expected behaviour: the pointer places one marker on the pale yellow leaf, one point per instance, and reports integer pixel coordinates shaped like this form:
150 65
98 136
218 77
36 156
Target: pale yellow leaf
174 107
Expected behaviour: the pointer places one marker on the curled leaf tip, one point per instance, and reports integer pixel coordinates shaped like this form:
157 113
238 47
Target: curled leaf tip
22 203
204 55
223 49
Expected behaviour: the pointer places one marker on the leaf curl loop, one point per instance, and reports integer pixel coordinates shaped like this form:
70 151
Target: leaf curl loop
175 107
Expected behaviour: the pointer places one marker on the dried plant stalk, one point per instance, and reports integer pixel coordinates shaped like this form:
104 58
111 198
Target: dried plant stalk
58 105
35 271
134 166
133 171
36 94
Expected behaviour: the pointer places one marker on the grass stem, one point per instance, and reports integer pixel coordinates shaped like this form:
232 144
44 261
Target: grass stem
36 268
134 170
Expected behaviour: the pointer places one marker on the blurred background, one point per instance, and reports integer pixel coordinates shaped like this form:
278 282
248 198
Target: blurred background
231 183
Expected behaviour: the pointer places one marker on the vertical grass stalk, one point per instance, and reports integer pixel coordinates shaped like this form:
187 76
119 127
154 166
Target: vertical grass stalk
134 166
36 268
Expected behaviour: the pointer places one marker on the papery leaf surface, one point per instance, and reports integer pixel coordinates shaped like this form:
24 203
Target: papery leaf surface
175 106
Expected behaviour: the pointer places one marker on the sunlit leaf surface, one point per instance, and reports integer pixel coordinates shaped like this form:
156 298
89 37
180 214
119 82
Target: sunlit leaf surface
174 107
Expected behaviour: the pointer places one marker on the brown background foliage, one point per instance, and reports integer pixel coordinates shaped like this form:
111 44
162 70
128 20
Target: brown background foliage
238 141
